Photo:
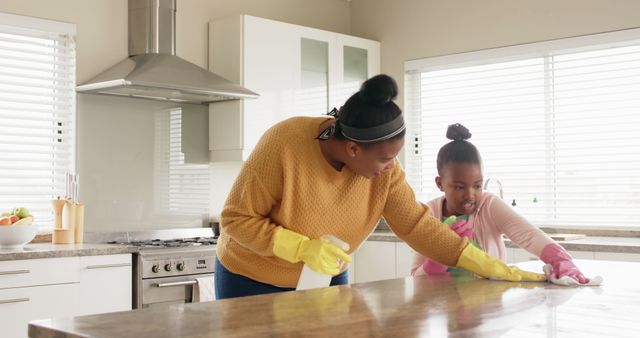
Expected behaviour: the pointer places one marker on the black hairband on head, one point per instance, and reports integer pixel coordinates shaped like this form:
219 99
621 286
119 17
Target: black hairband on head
377 133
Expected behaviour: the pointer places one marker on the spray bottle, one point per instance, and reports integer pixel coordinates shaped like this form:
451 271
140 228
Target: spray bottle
310 279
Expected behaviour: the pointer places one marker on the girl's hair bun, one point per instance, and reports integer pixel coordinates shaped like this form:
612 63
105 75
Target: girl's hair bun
458 132
379 90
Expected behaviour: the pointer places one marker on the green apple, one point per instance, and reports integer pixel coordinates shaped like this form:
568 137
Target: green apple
21 212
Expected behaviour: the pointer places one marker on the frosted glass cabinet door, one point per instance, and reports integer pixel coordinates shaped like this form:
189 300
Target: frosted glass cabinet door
312 99
295 69
357 60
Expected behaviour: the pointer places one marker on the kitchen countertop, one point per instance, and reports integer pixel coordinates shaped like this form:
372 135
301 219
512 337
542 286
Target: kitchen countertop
406 307
589 243
48 250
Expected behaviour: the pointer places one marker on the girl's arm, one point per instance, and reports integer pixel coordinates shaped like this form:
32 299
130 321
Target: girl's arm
516 227
534 240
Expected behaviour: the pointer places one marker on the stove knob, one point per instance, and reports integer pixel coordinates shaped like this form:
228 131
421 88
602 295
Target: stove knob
180 266
155 268
168 267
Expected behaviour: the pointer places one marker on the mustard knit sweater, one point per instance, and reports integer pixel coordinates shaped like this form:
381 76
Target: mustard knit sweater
286 182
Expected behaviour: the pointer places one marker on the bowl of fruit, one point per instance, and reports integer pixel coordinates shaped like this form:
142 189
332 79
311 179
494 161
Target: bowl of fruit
17 228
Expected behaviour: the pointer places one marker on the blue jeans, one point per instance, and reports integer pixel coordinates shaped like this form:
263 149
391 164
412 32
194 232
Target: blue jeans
230 285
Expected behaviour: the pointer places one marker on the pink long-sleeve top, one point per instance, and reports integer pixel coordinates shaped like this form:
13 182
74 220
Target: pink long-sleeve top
492 218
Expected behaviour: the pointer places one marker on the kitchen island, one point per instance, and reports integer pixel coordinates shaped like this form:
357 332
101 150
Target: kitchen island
407 307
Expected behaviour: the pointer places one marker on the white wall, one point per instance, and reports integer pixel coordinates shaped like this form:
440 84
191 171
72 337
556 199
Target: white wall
412 29
116 135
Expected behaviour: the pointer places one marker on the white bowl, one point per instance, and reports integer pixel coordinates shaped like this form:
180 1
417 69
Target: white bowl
16 236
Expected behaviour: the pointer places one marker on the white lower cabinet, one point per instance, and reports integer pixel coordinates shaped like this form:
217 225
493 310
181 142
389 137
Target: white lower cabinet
35 289
404 259
352 269
375 261
378 260
105 283
19 306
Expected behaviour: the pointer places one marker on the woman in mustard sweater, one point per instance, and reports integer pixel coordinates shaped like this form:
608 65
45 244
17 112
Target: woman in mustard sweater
315 176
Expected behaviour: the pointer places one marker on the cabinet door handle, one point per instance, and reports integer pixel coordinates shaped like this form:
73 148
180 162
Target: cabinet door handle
17 300
105 266
14 272
164 285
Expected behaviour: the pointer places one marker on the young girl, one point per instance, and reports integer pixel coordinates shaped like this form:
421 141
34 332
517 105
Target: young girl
483 217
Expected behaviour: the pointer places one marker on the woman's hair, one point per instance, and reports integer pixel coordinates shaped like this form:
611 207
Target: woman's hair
371 106
459 150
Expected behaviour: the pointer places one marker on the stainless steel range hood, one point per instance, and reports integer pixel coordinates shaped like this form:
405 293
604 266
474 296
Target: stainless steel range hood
153 71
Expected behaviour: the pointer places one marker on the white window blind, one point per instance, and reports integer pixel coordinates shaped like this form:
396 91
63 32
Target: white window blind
37 113
555 122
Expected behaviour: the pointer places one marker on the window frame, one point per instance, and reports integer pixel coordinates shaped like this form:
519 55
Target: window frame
37 27
542 49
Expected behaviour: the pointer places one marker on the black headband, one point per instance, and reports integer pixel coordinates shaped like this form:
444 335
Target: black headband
378 133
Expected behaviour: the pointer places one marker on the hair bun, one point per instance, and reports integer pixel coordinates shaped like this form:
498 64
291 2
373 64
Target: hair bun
458 132
379 90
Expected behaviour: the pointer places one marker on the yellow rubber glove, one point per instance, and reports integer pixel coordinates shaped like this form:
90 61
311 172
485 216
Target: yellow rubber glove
477 261
320 256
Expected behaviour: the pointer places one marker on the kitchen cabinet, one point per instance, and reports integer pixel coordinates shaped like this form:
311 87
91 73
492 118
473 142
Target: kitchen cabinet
375 261
105 283
404 259
351 270
36 289
61 287
19 306
296 70
378 260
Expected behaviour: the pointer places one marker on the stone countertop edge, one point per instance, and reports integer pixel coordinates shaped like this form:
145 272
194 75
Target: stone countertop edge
49 250
589 243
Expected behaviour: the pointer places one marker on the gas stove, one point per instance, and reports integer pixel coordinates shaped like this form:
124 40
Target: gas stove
170 243
167 264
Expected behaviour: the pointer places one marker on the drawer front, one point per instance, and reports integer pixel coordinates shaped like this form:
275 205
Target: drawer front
33 272
20 305
105 283
105 261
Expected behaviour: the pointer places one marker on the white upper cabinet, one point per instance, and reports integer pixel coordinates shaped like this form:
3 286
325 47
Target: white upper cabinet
296 70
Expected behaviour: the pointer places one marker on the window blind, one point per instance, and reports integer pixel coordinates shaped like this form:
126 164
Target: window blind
37 113
556 126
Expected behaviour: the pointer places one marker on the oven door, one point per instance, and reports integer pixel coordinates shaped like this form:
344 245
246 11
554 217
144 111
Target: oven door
168 290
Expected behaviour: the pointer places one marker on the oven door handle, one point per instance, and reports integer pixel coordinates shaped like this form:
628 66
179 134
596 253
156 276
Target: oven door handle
165 285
